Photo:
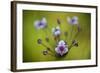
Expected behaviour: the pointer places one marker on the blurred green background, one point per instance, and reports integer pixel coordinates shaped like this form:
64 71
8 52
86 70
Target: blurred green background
32 51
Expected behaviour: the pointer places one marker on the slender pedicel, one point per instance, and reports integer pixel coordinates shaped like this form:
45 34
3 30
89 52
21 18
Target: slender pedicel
79 28
51 54
39 41
50 50
66 35
47 39
74 43
45 52
78 31
57 38
58 21
71 31
75 36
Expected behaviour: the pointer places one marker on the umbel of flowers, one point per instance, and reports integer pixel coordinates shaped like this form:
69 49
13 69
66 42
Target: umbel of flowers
62 47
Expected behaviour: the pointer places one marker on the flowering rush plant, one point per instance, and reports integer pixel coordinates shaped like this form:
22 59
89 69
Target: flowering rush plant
62 47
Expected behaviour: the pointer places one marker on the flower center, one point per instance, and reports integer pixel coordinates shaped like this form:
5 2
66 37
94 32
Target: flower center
73 20
40 23
56 30
61 48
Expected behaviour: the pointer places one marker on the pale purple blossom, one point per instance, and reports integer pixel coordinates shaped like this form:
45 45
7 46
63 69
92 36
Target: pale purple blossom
62 48
73 20
40 24
56 31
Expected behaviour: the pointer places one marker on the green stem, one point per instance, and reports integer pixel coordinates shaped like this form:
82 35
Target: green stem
76 35
51 54
78 31
70 47
70 36
50 50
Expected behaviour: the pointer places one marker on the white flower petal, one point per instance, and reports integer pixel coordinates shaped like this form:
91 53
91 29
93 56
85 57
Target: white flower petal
44 20
65 50
56 33
58 27
53 30
36 24
75 18
62 45
57 50
68 19
61 42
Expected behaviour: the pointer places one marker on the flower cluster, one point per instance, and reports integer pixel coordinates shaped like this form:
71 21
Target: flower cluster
62 47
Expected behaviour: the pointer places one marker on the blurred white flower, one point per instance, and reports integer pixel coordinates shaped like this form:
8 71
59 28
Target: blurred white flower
56 31
73 20
62 48
39 24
